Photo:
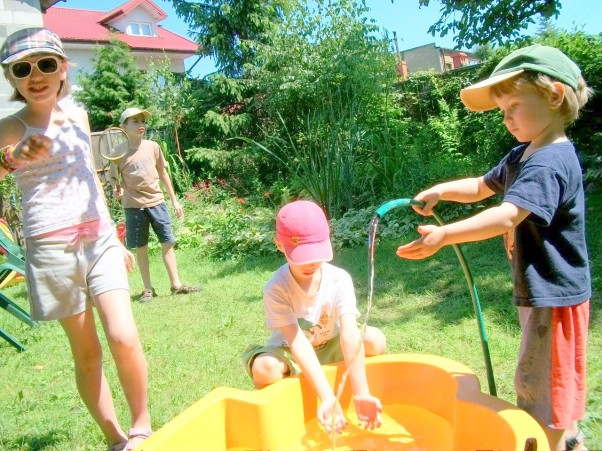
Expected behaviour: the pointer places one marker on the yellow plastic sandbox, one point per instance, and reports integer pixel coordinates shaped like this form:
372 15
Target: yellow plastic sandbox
429 403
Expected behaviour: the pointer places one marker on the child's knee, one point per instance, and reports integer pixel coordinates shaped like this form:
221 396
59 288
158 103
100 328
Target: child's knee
89 358
375 342
124 341
267 370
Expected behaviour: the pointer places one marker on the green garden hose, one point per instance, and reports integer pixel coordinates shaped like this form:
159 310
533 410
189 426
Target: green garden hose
382 211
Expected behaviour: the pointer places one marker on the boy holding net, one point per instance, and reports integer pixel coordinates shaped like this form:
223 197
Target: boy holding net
542 217
141 169
310 307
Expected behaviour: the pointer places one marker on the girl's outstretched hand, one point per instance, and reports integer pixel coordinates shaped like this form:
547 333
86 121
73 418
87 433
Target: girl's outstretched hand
431 241
325 416
33 148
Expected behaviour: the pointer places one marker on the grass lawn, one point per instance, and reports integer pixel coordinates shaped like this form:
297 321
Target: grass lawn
193 343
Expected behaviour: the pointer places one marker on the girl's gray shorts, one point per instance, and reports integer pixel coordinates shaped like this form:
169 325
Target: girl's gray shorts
62 277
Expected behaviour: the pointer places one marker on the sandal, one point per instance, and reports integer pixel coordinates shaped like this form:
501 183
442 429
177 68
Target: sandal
119 446
577 441
135 437
185 289
147 295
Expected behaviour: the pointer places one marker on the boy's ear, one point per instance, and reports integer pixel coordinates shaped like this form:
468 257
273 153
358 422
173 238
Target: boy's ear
279 245
557 95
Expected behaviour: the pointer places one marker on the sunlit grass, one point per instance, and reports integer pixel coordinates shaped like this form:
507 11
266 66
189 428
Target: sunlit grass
193 342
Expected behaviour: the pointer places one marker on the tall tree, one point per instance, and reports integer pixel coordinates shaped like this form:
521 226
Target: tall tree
478 22
114 84
229 30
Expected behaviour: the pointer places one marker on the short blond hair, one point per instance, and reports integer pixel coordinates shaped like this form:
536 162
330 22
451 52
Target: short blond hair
574 100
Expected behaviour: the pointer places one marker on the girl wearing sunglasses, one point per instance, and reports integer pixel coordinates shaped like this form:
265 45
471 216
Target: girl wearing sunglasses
46 65
74 260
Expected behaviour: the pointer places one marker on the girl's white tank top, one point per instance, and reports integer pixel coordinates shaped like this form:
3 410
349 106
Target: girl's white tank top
60 191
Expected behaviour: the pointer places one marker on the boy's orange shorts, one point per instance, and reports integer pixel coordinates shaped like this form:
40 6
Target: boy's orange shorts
550 377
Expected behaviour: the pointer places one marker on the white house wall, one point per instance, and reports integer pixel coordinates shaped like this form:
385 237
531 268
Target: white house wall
143 60
81 60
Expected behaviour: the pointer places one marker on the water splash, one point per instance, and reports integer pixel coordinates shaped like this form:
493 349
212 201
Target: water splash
371 250
381 212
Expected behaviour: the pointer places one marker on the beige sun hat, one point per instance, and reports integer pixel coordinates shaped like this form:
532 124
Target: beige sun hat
535 58
133 111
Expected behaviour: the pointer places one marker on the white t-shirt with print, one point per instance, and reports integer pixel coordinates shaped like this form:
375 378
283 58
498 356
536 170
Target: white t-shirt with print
318 315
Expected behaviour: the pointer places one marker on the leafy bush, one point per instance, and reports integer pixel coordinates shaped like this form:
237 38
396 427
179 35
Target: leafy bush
221 226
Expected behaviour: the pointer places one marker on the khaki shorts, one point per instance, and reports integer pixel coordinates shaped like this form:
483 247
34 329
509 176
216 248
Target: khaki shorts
62 278
329 353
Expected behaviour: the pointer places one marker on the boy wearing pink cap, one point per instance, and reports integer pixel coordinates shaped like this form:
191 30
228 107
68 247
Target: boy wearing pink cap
310 307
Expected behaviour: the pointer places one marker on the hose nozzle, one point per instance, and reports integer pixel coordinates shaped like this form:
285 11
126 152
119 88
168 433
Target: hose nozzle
386 207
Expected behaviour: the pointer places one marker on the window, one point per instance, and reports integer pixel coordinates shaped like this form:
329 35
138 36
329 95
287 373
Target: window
140 29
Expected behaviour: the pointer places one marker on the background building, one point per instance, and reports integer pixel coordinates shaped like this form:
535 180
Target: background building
439 59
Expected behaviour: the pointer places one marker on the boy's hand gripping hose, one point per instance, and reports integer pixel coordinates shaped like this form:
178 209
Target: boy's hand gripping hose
382 211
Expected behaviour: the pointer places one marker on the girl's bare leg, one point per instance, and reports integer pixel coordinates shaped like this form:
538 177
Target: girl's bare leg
115 312
89 376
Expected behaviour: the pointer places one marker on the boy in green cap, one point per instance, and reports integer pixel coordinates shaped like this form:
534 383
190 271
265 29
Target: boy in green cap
542 218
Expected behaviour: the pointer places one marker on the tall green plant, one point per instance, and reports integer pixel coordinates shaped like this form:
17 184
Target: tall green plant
230 30
322 159
10 205
114 83
176 169
327 56
171 101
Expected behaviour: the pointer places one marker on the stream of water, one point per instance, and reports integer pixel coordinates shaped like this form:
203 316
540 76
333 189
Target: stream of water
371 250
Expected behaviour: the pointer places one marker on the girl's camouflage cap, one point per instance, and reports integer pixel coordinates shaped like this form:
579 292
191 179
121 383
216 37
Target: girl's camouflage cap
30 41
535 58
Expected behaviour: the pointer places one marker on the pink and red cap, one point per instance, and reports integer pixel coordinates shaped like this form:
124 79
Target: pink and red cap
302 228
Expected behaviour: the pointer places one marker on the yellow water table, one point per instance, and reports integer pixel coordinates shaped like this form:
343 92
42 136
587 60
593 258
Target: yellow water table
429 403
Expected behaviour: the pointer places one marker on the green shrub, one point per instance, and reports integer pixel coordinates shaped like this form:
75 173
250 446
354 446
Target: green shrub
221 226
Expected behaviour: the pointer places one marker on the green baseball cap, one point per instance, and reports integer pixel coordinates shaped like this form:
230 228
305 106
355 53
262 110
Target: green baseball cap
535 58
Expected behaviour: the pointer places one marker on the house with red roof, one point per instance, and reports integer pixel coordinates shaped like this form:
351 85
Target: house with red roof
135 22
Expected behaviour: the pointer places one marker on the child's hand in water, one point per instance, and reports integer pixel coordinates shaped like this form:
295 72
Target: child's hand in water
325 416
34 148
368 409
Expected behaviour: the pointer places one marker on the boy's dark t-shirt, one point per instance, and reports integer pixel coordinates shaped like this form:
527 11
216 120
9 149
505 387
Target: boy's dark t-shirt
550 263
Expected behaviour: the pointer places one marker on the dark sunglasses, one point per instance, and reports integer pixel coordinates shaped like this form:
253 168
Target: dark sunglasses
47 65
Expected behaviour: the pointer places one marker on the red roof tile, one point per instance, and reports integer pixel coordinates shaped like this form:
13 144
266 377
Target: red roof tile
129 6
83 26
